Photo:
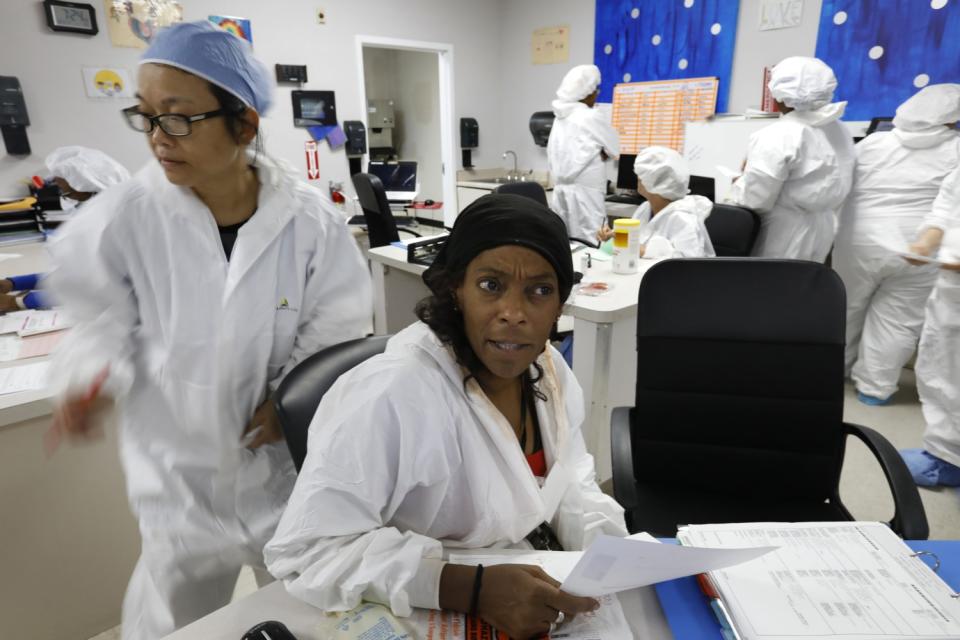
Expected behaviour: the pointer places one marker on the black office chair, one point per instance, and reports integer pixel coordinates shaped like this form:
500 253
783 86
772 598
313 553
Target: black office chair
381 224
732 230
299 395
535 192
739 401
530 190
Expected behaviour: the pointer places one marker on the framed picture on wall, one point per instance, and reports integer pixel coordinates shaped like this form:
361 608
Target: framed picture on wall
73 17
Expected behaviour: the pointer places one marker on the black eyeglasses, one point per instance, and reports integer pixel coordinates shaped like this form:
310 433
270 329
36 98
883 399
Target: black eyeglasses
172 124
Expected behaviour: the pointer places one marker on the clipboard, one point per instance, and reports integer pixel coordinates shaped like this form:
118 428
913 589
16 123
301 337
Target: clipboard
690 617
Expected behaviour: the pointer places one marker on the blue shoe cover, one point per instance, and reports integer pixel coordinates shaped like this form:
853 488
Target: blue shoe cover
928 470
872 401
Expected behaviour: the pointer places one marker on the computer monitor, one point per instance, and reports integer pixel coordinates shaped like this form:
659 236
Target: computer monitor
704 186
399 179
626 178
312 108
880 124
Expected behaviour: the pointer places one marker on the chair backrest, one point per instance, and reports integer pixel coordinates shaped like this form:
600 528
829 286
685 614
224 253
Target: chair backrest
732 230
530 190
299 395
381 227
740 377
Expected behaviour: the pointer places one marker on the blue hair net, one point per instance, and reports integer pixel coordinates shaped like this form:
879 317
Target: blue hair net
207 51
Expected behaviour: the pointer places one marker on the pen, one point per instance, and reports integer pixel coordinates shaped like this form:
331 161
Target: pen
719 610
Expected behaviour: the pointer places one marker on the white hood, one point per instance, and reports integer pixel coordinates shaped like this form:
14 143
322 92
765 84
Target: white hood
822 116
925 139
563 108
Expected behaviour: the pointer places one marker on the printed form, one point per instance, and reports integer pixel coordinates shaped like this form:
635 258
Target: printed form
851 580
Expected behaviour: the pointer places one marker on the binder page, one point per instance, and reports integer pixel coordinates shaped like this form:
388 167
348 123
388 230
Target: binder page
851 580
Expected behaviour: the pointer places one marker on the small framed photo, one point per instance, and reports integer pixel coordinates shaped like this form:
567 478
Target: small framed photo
74 17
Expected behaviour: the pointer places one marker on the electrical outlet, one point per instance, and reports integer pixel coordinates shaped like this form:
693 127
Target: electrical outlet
321 16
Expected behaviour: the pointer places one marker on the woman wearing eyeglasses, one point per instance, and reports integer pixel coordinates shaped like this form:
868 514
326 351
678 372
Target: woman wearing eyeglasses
196 286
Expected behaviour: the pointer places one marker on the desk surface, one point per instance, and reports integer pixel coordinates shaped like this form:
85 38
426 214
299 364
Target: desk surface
17 407
274 603
618 303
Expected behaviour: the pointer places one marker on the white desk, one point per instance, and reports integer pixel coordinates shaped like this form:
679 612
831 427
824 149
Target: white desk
273 603
69 541
604 351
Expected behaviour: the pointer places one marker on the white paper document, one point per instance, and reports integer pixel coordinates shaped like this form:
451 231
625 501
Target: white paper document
850 580
606 623
13 322
892 240
30 377
727 172
614 564
44 322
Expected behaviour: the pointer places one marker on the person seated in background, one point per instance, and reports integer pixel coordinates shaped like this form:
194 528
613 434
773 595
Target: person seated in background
673 221
938 359
897 179
799 170
80 173
455 437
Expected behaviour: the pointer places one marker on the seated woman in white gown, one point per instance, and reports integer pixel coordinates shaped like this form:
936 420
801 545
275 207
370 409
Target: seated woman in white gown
464 434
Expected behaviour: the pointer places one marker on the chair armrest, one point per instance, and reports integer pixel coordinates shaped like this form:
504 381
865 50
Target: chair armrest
405 230
909 517
592 245
621 452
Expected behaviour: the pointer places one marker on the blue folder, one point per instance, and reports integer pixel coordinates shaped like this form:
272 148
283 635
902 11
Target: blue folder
690 617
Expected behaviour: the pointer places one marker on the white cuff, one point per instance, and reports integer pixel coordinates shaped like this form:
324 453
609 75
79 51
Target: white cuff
424 589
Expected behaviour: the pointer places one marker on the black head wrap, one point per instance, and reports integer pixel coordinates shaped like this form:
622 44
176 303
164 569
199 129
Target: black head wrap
501 219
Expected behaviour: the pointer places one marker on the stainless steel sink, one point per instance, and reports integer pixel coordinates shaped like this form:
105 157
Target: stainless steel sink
500 180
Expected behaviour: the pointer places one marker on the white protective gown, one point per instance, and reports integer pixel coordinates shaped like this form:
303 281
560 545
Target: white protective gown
678 230
194 345
798 173
897 179
578 136
938 362
406 463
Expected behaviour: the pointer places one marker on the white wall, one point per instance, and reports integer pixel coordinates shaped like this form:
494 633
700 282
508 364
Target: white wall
48 65
418 119
757 49
528 87
411 80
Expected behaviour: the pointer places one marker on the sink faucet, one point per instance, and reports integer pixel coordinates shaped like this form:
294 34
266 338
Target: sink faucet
514 154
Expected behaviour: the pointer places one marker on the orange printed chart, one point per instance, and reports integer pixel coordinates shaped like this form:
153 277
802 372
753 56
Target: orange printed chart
655 113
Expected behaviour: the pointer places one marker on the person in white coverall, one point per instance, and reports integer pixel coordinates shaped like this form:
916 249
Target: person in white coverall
195 287
897 179
799 170
465 434
580 141
938 362
673 221
80 173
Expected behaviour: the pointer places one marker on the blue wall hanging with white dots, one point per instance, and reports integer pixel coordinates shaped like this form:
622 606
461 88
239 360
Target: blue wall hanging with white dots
641 40
884 52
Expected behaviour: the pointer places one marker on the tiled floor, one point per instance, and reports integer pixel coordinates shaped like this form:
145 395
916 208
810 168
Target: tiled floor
863 487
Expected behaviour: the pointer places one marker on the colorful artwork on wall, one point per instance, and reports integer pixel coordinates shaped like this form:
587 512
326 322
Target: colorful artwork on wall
883 52
239 27
103 82
664 40
133 23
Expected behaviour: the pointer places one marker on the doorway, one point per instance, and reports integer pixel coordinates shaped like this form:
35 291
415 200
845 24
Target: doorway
407 89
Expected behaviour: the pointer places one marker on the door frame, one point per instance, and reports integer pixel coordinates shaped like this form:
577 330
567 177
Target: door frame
448 138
